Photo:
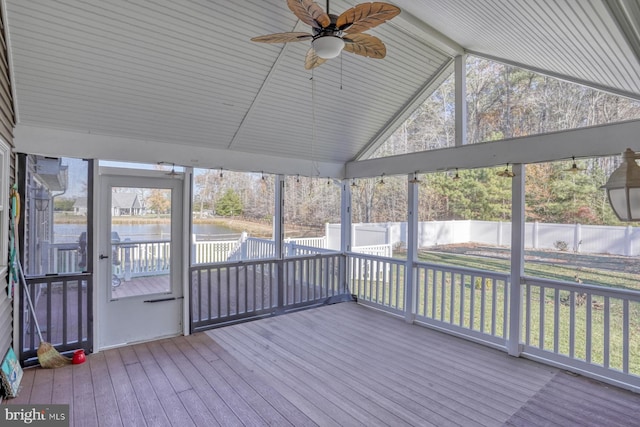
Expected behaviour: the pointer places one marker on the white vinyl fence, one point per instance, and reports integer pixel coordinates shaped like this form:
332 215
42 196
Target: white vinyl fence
596 239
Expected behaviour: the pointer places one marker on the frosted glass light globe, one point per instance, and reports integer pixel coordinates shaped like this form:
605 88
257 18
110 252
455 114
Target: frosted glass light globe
327 47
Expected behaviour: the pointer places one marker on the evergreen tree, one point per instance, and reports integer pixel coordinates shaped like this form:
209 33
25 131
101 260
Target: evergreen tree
229 204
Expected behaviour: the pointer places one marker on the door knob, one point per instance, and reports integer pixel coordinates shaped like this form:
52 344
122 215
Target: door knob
104 256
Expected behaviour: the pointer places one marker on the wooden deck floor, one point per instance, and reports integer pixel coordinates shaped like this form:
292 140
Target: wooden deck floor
338 365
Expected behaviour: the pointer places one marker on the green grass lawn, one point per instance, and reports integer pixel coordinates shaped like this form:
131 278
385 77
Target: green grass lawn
592 276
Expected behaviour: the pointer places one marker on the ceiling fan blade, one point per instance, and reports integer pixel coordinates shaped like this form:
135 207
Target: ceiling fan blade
365 45
365 16
310 13
282 38
312 60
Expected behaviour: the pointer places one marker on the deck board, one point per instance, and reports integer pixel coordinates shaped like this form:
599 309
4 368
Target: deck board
128 405
340 365
171 403
408 386
367 393
103 391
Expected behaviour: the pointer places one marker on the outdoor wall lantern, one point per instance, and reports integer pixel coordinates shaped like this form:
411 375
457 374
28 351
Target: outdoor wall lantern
41 198
623 188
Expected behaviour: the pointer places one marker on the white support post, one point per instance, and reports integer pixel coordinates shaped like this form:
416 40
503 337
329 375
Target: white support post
345 217
412 250
517 259
278 237
461 100
189 241
345 233
278 222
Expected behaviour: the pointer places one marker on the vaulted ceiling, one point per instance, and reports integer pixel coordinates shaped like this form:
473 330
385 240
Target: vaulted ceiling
180 80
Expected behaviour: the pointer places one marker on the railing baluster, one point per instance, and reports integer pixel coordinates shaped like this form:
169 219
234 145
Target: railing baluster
255 288
483 304
246 289
572 324
452 302
472 302
219 293
588 329
65 314
398 284
494 303
433 292
528 299
556 319
228 286
625 336
607 330
462 296
209 296
505 306
541 319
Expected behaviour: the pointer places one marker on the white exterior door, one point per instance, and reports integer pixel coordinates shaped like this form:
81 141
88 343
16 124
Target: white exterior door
140 292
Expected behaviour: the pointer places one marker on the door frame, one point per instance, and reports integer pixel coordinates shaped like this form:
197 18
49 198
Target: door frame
102 215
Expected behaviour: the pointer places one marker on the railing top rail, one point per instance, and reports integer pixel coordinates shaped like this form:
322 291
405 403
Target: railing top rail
69 246
138 242
464 270
217 242
581 287
57 278
315 248
260 261
314 256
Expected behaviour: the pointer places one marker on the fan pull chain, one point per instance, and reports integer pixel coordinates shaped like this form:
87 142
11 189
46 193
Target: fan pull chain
341 71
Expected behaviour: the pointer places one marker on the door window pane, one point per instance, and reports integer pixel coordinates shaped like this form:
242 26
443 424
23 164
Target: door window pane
140 235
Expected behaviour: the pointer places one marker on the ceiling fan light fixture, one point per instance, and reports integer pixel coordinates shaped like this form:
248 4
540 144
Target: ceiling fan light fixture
327 47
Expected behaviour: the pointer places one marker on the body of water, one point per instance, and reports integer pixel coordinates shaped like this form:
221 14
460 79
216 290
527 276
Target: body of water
69 233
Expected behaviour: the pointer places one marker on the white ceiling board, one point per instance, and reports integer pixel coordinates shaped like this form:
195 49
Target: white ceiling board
186 73
577 39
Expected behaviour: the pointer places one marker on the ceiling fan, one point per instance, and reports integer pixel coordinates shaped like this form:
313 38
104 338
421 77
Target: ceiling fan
331 33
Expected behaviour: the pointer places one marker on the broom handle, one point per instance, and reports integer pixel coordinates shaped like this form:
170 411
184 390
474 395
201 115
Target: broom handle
16 243
26 289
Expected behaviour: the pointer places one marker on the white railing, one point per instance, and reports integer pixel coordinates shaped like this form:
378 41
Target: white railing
377 281
142 258
63 258
316 242
214 250
384 250
465 301
590 328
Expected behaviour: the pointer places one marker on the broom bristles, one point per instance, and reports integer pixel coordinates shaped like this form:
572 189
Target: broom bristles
49 356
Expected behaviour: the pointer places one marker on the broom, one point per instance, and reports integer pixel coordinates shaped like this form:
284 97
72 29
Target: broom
48 356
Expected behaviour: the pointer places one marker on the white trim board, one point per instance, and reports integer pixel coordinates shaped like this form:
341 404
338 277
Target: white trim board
595 141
